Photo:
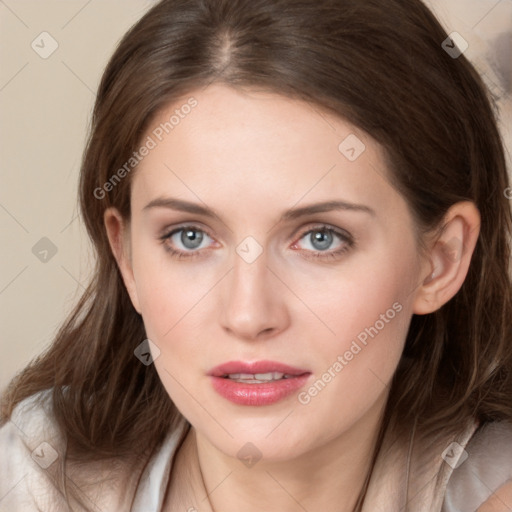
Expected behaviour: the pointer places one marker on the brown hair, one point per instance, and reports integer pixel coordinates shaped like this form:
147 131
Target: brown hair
381 66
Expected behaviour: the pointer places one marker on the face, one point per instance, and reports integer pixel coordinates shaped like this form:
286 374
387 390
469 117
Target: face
230 263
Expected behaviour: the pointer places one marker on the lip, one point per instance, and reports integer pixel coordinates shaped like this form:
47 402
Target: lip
254 367
257 394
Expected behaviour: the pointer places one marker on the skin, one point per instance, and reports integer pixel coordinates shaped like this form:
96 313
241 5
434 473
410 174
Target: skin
500 501
250 155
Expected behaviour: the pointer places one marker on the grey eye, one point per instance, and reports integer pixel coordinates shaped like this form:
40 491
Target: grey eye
191 238
321 240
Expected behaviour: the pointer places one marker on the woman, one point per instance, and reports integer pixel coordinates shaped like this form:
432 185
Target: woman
302 298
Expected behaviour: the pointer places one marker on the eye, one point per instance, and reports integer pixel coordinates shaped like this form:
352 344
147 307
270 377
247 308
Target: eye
188 240
322 238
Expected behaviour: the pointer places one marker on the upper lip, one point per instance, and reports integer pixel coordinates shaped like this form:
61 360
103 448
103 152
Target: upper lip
233 367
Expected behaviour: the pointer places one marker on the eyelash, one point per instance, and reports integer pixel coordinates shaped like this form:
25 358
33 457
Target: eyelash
345 237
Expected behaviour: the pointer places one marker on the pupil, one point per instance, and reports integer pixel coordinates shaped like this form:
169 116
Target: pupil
322 240
191 238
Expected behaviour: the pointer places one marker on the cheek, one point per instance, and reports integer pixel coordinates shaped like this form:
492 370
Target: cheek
368 299
353 370
167 292
368 316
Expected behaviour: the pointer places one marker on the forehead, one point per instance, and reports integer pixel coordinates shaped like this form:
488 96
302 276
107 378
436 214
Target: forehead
247 146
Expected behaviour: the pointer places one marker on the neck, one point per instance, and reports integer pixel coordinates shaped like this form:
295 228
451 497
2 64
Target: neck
328 478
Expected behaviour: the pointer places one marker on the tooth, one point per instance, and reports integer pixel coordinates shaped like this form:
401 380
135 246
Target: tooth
249 378
264 376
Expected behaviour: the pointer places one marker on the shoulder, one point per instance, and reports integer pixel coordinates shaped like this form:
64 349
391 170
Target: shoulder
32 464
31 445
482 479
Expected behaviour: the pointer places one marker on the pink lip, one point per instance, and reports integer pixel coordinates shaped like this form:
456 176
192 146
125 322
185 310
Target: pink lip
257 394
256 367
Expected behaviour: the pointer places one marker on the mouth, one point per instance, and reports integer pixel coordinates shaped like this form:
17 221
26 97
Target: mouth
257 383
261 371
257 378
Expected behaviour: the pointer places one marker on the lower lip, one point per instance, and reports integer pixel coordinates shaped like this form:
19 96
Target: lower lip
258 394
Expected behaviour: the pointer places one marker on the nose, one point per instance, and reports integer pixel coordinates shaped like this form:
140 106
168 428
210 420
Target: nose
253 305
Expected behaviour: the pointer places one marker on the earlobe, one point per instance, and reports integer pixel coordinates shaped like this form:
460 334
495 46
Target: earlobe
449 258
119 238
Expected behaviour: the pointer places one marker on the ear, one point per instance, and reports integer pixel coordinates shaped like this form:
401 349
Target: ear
118 232
448 258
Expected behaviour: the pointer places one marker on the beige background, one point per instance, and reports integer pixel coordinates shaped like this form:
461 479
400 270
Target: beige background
45 107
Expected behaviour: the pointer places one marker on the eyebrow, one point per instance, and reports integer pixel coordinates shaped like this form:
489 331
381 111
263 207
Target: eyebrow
291 214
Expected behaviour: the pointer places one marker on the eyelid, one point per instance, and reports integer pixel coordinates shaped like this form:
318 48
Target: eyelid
322 226
168 231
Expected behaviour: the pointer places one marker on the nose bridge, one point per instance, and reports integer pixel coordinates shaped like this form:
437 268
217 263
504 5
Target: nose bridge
249 280
249 275
251 305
